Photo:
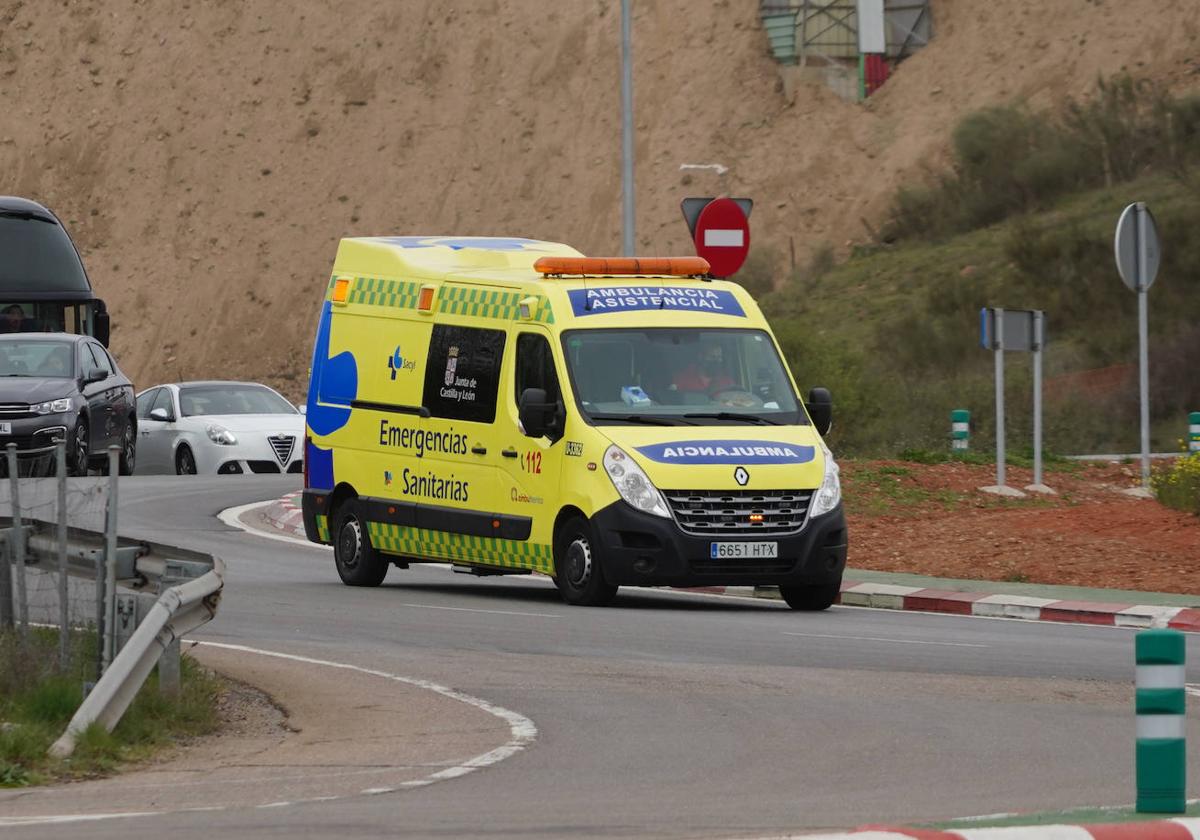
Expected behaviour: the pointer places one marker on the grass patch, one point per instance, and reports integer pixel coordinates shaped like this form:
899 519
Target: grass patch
38 698
887 489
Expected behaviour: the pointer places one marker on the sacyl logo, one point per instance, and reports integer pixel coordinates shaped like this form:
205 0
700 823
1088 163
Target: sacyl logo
741 476
397 363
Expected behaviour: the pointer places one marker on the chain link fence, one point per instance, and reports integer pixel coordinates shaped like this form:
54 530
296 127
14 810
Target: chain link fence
52 558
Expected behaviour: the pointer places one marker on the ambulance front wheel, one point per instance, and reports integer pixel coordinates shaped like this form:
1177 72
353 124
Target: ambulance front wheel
577 571
357 562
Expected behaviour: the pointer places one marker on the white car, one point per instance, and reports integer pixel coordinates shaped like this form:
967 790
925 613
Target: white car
226 428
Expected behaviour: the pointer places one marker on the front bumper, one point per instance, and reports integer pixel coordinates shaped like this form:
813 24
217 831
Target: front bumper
35 433
252 454
639 549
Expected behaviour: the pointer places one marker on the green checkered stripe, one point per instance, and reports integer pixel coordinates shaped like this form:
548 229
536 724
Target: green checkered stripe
489 303
323 527
420 542
376 291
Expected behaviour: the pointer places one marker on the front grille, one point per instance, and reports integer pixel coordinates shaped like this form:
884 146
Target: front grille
260 467
15 410
283 446
717 512
297 466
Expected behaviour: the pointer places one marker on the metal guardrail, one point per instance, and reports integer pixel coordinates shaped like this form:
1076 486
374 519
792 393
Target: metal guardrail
179 610
187 584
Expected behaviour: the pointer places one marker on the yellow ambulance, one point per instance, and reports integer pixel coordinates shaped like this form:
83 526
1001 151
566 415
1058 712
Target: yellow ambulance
509 406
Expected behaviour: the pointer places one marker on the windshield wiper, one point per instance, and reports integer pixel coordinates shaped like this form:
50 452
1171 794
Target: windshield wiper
25 375
649 420
733 415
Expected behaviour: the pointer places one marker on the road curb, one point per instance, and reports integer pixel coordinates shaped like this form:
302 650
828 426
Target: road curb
1118 614
284 514
1172 829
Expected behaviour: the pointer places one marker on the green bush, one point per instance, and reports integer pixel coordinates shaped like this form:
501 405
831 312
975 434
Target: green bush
1178 486
1008 160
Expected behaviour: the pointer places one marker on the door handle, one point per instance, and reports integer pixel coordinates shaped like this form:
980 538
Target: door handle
509 453
479 450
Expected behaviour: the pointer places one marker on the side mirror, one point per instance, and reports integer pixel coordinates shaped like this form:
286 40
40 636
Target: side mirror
160 414
303 408
536 414
94 376
820 409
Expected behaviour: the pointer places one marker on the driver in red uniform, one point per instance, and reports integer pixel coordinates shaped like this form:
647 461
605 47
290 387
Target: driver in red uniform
706 373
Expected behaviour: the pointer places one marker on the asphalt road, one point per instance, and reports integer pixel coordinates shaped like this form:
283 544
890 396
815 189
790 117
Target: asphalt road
668 714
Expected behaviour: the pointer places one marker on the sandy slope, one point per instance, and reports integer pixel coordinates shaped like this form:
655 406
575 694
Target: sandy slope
210 154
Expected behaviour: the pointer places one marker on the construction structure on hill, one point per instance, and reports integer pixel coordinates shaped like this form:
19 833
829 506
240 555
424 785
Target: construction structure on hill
851 46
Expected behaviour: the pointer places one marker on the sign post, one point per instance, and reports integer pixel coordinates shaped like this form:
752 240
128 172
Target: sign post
1018 330
1138 256
721 230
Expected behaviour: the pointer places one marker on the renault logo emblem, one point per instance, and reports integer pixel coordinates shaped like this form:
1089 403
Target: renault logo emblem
741 476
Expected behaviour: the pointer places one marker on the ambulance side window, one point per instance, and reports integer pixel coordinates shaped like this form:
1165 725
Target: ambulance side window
462 374
535 369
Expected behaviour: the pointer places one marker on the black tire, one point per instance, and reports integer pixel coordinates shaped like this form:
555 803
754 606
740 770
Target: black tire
128 449
185 461
358 563
578 574
77 456
811 597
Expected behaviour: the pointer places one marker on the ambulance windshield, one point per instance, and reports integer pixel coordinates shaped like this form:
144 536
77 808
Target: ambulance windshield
679 376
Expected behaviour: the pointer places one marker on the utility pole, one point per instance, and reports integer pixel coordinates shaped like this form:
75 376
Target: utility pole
627 232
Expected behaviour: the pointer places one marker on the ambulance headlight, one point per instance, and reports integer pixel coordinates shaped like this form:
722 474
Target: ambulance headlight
219 434
633 485
830 494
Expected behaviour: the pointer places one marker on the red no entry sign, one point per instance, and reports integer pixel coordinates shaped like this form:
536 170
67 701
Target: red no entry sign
722 236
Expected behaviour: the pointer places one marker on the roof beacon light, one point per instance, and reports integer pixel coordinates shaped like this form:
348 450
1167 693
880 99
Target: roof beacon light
610 266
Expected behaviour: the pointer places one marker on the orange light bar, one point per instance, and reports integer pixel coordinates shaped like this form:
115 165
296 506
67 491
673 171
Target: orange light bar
425 299
756 517
341 288
607 266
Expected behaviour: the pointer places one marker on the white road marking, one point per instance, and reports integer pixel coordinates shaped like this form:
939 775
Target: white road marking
522 733
882 639
491 612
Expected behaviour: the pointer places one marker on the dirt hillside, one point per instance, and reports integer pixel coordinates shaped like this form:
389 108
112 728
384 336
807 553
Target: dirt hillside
208 155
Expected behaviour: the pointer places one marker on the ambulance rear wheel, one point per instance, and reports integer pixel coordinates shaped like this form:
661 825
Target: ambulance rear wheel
811 598
357 562
578 574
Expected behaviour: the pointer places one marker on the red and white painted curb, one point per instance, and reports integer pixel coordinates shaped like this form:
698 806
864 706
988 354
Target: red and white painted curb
284 514
1176 829
917 599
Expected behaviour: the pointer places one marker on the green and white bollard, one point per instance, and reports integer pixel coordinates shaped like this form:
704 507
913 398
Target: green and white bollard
1194 432
960 430
1161 703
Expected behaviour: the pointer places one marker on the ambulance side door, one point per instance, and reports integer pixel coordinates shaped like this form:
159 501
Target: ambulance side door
455 480
531 466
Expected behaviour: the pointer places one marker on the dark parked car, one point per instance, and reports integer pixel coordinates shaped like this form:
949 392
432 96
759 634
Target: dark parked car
60 386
